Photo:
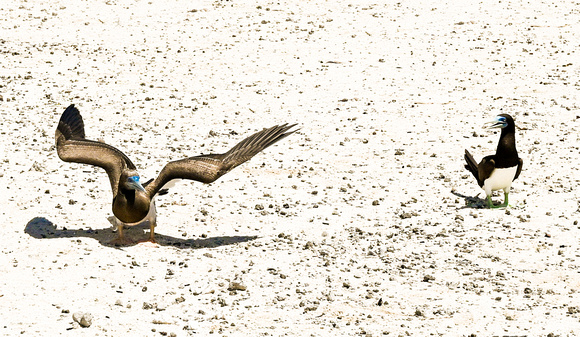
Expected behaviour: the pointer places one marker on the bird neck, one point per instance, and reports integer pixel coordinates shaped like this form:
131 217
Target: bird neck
506 154
129 194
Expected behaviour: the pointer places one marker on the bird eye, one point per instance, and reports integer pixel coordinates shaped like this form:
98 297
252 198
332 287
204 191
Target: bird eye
501 119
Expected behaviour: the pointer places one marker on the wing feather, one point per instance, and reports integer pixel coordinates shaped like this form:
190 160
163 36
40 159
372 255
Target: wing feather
208 168
519 170
72 146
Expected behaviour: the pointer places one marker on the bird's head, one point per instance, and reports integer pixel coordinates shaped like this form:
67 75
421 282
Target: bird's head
500 121
133 183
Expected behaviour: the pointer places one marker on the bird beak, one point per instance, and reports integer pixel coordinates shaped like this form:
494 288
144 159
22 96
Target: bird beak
134 182
497 122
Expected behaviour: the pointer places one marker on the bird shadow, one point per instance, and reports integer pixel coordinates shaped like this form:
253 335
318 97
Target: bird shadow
42 228
470 202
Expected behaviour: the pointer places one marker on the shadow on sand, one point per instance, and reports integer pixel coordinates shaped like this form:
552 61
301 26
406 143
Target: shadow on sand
42 228
471 202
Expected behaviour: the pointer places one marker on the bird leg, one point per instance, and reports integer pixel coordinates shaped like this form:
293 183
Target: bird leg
121 239
505 200
489 202
151 240
152 232
491 205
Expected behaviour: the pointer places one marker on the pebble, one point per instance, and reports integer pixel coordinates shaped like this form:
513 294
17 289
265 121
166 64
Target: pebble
428 278
83 319
237 286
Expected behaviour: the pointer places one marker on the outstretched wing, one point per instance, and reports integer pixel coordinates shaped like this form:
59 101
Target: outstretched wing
208 168
72 146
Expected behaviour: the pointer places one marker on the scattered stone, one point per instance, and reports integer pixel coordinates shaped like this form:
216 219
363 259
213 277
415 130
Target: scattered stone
428 278
236 286
83 319
36 166
149 306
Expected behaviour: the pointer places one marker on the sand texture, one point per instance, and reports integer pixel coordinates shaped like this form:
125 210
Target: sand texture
364 222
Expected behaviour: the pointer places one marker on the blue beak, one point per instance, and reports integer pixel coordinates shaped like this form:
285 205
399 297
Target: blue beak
497 122
134 183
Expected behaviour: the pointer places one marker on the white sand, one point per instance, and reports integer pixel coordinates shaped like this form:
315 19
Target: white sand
387 96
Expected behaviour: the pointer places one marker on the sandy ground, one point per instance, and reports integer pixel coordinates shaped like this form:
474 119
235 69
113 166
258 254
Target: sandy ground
363 223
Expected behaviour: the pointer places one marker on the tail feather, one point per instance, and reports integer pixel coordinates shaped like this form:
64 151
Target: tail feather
471 165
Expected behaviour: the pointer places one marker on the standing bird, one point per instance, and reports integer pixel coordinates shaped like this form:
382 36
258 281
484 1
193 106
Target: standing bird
497 172
132 201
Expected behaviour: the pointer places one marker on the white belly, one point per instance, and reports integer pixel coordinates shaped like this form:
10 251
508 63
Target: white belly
501 179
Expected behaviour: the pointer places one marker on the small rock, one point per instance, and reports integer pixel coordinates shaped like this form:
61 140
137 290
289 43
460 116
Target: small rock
148 306
84 319
428 278
236 286
36 166
405 215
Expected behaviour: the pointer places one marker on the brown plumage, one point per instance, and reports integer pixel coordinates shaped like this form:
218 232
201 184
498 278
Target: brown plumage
132 202
488 171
